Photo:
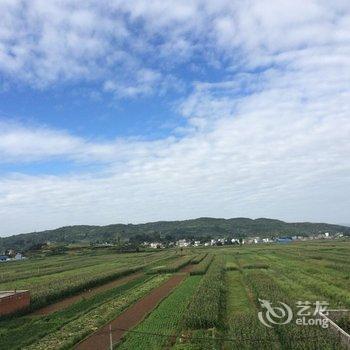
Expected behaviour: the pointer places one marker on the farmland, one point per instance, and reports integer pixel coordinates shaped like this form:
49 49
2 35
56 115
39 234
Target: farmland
215 306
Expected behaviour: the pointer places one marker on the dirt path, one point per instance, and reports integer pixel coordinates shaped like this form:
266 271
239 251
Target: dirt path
62 304
132 316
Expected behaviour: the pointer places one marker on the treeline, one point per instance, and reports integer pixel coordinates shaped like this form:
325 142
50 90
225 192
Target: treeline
202 228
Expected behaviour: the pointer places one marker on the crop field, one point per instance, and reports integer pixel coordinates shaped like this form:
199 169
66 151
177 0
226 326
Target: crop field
50 279
216 306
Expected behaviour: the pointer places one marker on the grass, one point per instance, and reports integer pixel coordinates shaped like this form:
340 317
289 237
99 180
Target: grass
236 295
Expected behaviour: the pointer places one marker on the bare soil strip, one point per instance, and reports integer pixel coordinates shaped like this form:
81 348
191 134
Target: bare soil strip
62 304
132 316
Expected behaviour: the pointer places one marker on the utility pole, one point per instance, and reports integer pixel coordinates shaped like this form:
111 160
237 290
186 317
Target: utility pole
110 337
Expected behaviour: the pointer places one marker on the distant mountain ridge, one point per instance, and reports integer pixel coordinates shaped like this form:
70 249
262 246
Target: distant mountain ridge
194 228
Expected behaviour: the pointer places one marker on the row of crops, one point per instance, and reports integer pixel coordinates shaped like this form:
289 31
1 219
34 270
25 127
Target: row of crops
215 307
284 278
63 329
202 267
38 266
222 311
205 307
48 288
197 259
290 336
159 330
173 266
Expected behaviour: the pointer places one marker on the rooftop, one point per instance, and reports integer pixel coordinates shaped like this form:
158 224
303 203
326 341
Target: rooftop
7 293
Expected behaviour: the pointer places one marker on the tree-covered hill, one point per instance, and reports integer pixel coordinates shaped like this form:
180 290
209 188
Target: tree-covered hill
196 228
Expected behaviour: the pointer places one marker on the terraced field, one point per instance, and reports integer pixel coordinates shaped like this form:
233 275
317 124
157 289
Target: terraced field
213 305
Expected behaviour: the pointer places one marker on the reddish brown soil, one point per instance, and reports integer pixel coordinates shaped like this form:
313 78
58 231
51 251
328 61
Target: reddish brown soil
131 316
62 304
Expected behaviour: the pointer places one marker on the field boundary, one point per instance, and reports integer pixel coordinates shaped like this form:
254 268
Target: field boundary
344 336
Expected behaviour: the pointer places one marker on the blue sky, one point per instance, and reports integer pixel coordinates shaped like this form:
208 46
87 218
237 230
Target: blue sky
160 110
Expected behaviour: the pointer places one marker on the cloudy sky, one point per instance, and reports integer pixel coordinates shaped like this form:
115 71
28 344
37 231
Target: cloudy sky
143 110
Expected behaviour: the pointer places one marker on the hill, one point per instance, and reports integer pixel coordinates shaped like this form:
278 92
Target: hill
196 228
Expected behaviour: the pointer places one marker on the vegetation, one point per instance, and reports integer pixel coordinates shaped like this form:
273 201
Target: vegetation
202 267
60 278
19 332
344 322
74 331
166 319
173 266
199 258
215 310
255 266
204 309
231 266
167 230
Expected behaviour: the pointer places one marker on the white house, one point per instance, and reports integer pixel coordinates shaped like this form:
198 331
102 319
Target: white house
182 243
156 245
19 256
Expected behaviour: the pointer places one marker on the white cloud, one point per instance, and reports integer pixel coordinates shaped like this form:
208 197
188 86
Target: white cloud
44 42
23 144
268 138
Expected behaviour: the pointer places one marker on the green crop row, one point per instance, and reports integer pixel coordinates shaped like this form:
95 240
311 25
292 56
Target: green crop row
199 258
56 265
205 307
51 287
77 329
231 266
290 336
202 267
75 284
17 333
173 266
245 332
160 328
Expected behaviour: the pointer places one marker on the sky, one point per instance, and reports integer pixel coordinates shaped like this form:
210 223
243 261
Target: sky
138 111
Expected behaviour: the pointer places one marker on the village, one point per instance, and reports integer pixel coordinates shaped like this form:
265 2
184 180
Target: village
239 241
11 255
127 245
